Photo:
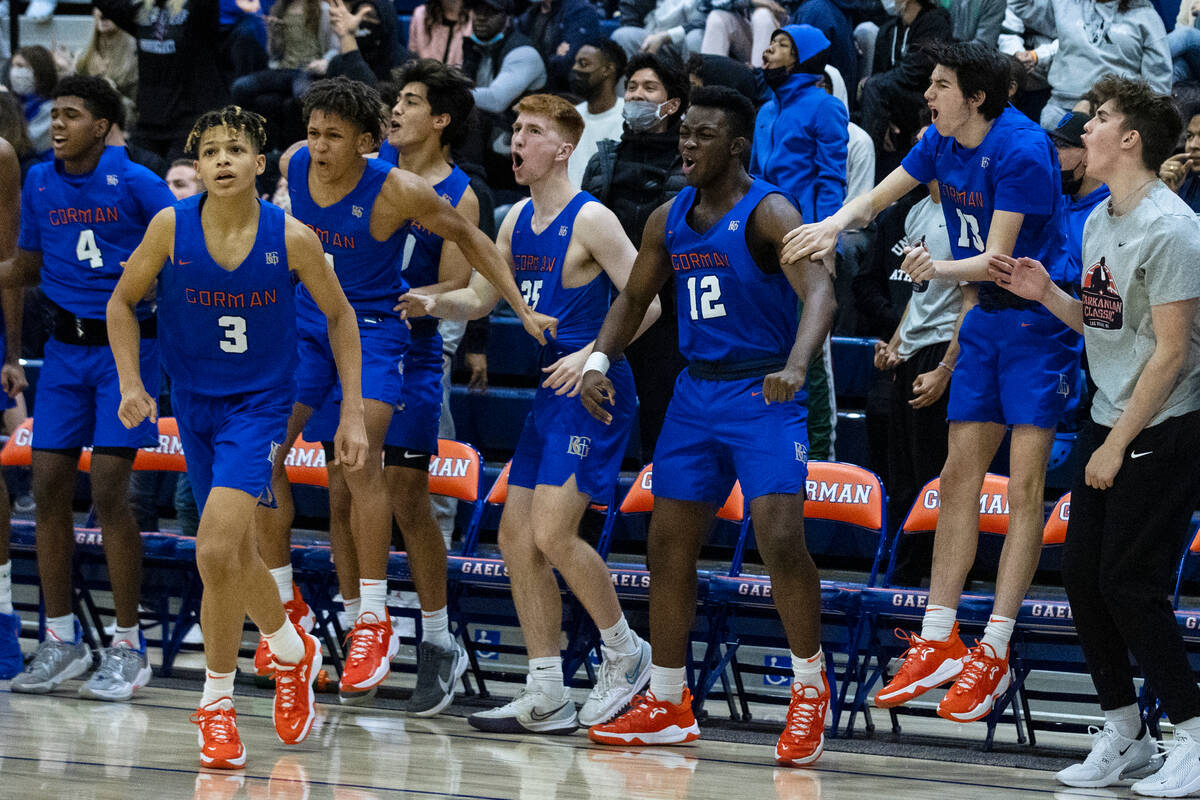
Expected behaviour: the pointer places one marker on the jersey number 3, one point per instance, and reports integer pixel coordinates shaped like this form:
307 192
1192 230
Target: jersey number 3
86 249
710 293
235 333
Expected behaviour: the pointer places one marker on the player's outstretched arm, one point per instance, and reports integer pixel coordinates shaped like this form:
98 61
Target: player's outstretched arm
416 199
650 271
454 271
306 258
770 222
140 273
817 240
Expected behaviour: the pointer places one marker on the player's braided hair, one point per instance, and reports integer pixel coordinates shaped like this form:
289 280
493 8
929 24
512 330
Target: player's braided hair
235 118
353 101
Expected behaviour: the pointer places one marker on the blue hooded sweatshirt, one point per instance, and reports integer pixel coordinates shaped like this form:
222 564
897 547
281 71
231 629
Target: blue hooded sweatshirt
800 139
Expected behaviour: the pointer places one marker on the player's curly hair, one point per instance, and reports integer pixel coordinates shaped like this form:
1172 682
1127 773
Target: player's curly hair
98 95
353 101
235 118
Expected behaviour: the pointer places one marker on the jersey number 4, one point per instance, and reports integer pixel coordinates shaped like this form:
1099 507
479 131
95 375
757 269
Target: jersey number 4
968 234
532 292
235 333
86 249
710 293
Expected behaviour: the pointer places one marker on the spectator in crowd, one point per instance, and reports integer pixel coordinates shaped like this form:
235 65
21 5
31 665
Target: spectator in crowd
1081 192
179 75
504 65
437 30
15 130
558 28
366 32
709 70
633 177
182 179
977 20
598 69
741 28
647 25
300 42
1184 43
110 53
1179 172
832 18
893 96
32 77
1035 51
243 34
1097 37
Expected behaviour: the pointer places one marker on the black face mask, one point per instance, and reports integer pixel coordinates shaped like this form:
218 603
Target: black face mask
776 76
581 83
1070 183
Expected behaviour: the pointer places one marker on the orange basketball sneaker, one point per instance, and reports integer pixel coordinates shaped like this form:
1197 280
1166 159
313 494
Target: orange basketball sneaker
803 736
220 745
984 677
370 647
300 614
927 665
295 707
650 721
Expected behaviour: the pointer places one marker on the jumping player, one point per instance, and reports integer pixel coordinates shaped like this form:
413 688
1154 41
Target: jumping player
431 113
81 216
738 412
1017 368
360 209
224 261
568 252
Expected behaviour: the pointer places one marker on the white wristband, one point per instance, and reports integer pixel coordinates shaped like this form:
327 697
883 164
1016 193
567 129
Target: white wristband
598 362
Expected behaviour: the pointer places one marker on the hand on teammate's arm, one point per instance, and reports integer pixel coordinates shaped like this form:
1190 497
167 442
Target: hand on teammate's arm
566 374
1027 278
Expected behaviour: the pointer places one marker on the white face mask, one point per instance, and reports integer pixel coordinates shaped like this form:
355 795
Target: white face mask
892 7
21 80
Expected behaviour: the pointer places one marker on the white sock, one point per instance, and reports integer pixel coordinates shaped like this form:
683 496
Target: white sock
546 676
997 633
283 582
6 606
938 623
216 686
353 607
285 644
130 636
61 628
1127 720
373 596
808 671
1189 726
620 637
667 683
435 628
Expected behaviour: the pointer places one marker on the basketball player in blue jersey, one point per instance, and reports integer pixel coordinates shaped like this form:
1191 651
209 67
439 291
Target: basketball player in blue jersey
81 215
738 412
1017 368
224 261
568 252
431 113
360 209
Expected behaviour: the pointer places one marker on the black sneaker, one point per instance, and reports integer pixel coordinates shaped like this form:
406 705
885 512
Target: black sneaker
438 673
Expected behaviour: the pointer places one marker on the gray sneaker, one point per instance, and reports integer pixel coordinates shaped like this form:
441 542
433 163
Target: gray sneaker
531 711
438 673
621 676
54 663
122 672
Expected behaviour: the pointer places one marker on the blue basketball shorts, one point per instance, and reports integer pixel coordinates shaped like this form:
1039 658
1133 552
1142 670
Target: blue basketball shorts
1015 367
78 394
384 340
561 439
415 424
232 440
718 432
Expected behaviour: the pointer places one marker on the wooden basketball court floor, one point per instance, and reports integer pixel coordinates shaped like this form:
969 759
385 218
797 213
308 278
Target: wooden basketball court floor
64 747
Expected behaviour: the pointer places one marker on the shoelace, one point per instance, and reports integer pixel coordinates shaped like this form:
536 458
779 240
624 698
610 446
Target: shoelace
976 665
802 714
287 683
915 643
361 638
112 661
46 655
607 675
1097 753
219 725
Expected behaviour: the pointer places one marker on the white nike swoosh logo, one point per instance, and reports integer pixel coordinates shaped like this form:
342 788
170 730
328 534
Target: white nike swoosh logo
411 454
1139 455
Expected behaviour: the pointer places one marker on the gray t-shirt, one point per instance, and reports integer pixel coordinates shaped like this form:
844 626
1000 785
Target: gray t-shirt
932 313
1149 256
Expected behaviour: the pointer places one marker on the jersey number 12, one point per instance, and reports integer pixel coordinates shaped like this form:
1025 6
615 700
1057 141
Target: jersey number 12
710 293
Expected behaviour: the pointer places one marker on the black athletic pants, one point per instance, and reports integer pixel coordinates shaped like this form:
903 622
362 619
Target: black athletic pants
1123 547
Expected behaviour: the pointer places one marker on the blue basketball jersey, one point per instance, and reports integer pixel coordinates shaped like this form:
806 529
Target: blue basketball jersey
1015 168
388 153
368 270
222 331
423 249
729 309
86 225
538 262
